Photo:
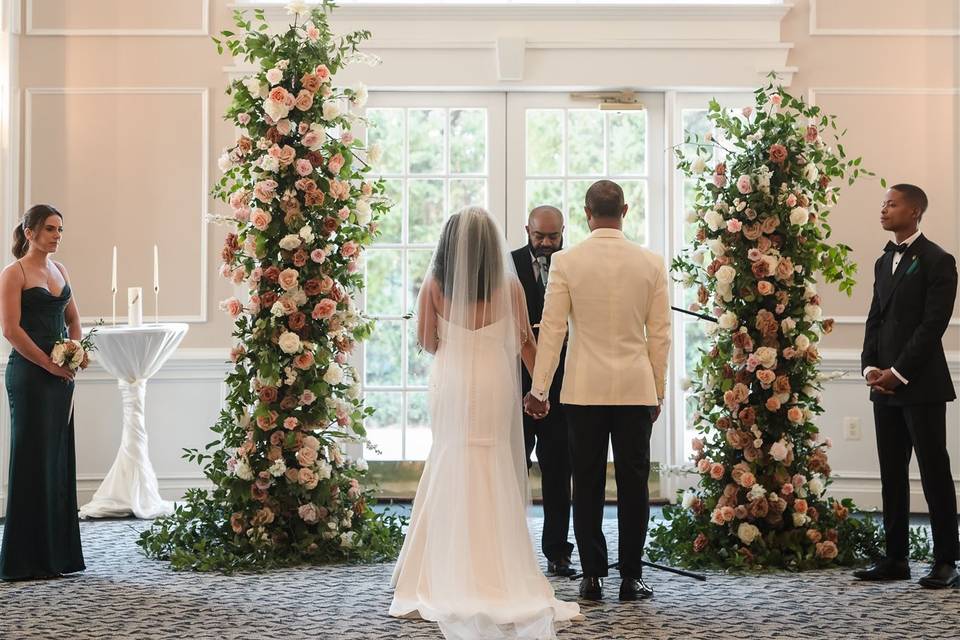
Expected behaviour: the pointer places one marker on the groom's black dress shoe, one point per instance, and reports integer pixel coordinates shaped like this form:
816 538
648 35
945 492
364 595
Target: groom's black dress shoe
943 575
561 567
885 569
591 588
635 589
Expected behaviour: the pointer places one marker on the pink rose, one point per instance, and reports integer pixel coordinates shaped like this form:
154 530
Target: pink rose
716 471
288 279
303 167
326 284
747 480
278 94
697 444
307 397
747 112
265 190
812 133
324 309
787 489
310 139
727 513
284 127
343 213
304 360
308 513
285 154
778 153
827 550
720 181
322 72
232 306
307 456
310 82
791 200
290 423
734 225
716 517
243 119
349 249
260 219
346 138
744 185
339 190
308 478
703 466
776 100
237 352
335 163
304 100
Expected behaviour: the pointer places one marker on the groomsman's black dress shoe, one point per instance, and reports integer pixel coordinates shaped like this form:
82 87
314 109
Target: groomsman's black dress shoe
561 567
885 569
635 589
591 588
943 575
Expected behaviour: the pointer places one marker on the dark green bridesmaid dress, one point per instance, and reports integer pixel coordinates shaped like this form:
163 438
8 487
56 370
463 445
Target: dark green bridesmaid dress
41 535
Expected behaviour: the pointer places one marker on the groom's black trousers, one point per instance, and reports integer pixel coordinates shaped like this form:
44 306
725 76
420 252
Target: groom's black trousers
629 428
549 437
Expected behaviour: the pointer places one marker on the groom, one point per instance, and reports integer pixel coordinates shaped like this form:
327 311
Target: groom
905 366
614 295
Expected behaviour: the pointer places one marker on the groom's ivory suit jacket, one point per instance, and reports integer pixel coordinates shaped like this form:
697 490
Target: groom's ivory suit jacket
615 295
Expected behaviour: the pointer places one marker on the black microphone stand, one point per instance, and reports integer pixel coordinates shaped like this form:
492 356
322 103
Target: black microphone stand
646 563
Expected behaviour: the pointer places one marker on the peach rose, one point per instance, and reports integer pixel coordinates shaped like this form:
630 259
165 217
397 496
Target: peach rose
339 190
800 505
310 82
297 321
267 394
703 466
778 153
308 478
284 127
747 480
700 543
766 377
311 139
261 517
308 513
307 456
716 471
304 100
773 404
304 360
265 190
285 154
324 309
349 249
726 513
827 550
765 287
314 198
304 168
236 522
795 415
288 279
335 163
323 74
278 94
233 306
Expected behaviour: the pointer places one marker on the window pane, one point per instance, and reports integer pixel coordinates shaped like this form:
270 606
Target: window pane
419 436
384 426
576 222
689 200
585 142
418 260
694 340
425 200
392 223
695 124
540 192
627 134
544 142
383 355
635 222
425 127
418 360
386 127
468 141
384 288
464 193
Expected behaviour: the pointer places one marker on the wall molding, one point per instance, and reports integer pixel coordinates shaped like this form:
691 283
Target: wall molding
954 322
204 205
202 30
815 30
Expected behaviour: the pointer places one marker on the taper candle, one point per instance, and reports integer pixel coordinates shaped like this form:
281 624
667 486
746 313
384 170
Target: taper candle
113 280
156 269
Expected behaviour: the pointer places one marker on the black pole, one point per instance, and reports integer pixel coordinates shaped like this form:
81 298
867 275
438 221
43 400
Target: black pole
702 316
653 565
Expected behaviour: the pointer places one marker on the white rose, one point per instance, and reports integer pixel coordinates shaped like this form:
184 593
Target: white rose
363 211
809 291
767 356
362 465
788 325
747 532
691 217
799 216
298 8
816 486
697 257
290 242
225 162
243 470
716 246
354 391
274 76
799 519
331 110
334 374
375 153
57 355
360 94
324 469
278 468
779 450
713 219
347 539
812 312
276 110
756 492
289 342
728 321
810 172
307 234
277 310
687 500
802 343
699 165
269 164
726 274
772 262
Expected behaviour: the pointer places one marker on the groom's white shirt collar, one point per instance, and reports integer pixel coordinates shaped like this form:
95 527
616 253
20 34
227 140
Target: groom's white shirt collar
606 233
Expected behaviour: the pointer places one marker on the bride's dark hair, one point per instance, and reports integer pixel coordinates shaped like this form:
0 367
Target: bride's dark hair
32 219
470 241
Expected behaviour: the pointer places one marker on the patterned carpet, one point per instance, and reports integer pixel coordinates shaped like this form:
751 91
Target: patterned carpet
124 595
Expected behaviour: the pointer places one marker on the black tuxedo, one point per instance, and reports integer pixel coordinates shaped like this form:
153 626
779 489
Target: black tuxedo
909 314
548 435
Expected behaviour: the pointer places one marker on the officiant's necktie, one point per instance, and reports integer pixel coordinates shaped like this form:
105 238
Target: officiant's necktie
544 267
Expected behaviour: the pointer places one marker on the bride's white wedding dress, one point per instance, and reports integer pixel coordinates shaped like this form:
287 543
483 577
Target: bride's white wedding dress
468 561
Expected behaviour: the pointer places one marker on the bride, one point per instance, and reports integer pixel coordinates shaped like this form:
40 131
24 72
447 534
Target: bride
468 561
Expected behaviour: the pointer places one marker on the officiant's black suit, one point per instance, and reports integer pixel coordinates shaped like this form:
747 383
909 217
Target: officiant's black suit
548 435
909 314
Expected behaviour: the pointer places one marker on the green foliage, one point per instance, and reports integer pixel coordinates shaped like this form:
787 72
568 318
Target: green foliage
303 209
762 183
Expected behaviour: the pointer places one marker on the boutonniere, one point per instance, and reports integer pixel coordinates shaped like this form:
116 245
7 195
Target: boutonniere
914 263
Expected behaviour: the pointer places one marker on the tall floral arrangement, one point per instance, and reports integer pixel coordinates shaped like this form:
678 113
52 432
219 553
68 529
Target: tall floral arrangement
302 210
766 179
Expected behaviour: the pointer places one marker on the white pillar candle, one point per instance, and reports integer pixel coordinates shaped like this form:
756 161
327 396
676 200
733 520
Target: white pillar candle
134 306
113 278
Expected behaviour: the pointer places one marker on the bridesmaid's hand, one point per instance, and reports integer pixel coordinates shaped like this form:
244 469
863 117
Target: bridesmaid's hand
61 372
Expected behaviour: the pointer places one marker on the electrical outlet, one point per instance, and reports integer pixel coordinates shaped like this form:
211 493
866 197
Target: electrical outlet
851 428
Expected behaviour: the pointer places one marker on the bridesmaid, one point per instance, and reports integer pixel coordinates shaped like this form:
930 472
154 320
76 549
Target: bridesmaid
41 536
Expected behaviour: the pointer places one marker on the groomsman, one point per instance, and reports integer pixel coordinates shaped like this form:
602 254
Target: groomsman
614 295
549 434
915 284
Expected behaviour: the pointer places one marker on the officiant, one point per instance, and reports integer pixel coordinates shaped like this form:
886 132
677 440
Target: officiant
548 436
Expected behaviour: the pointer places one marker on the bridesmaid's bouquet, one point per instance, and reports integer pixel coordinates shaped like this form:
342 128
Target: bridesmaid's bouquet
74 354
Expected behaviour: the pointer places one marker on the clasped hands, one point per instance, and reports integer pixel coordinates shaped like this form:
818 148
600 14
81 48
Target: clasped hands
883 381
535 408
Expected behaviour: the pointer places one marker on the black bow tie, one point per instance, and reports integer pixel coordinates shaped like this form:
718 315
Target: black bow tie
899 248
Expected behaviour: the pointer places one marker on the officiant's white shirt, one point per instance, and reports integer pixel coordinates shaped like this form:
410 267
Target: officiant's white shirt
614 294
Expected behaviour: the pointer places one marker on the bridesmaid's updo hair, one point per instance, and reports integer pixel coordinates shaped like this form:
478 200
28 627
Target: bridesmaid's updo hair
32 219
